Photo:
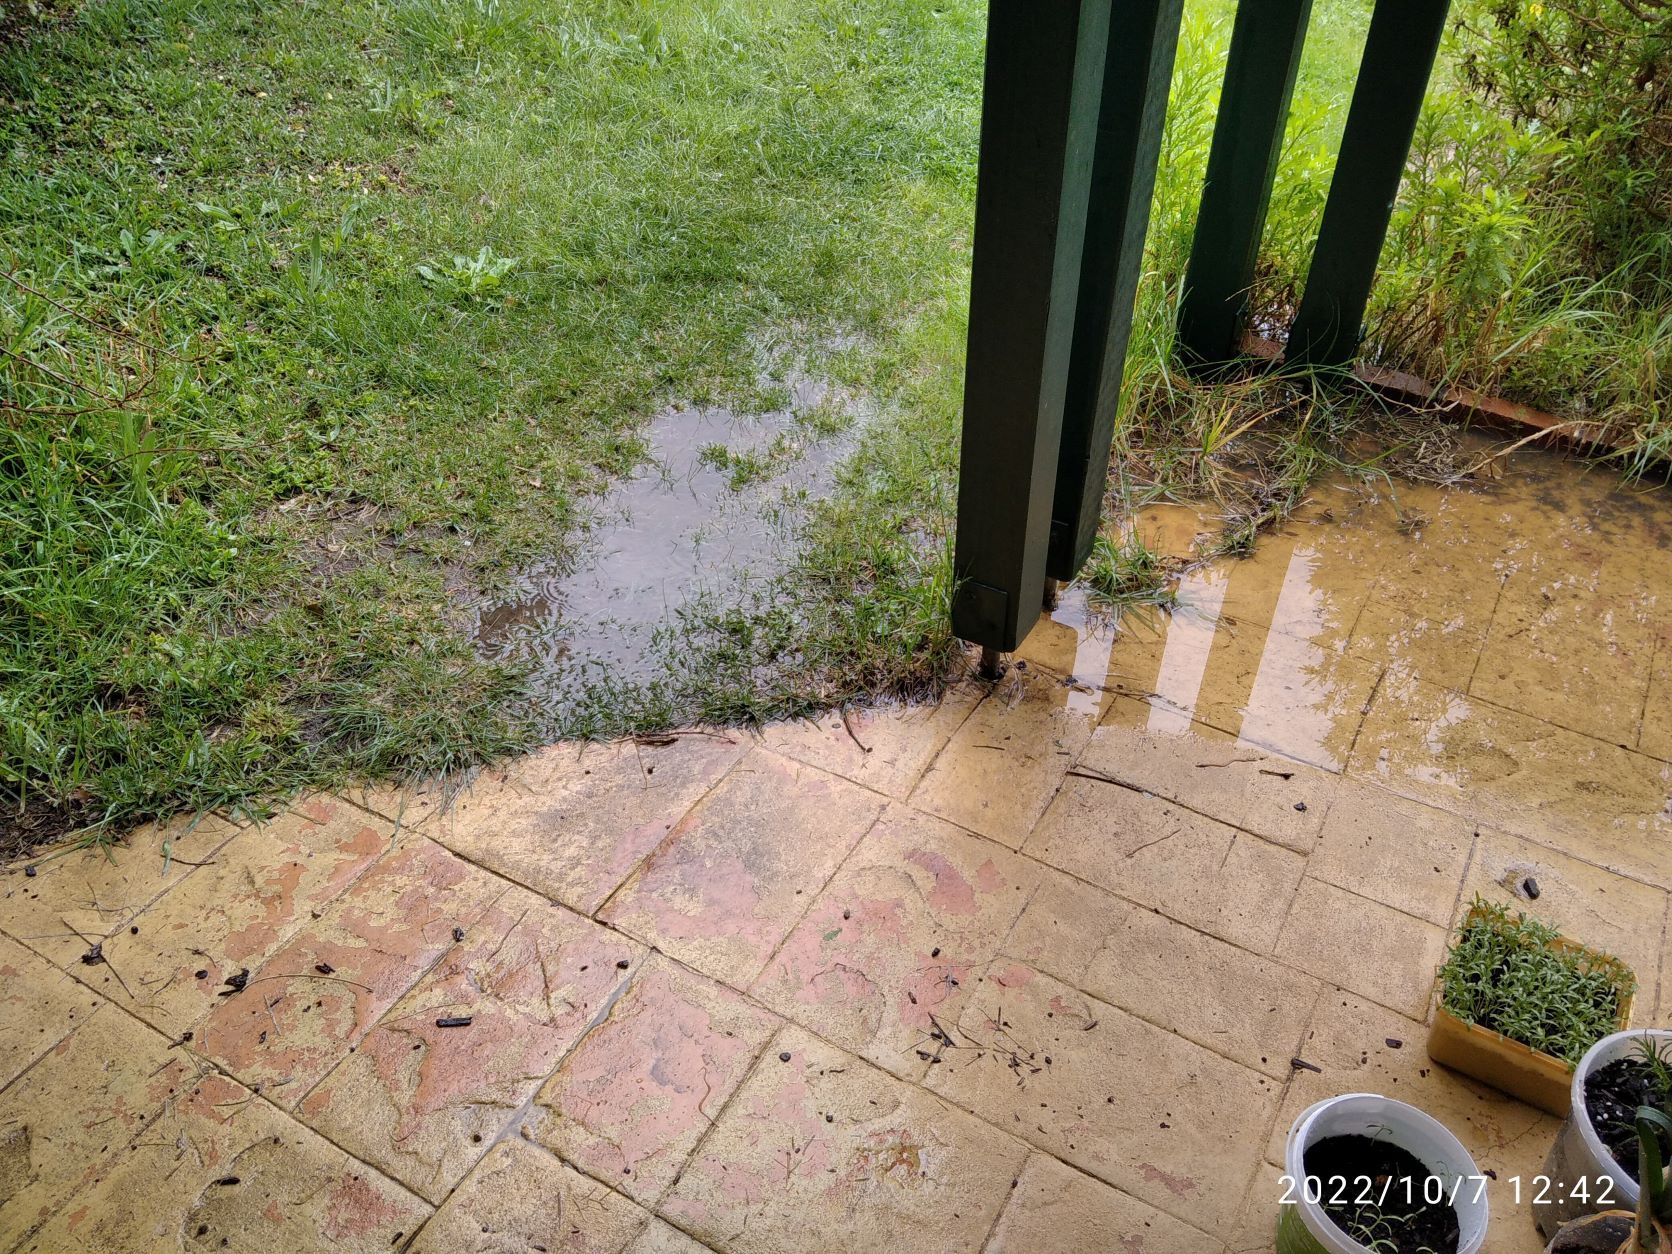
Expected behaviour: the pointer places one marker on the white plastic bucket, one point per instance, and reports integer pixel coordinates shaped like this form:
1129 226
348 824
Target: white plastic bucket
1304 1228
1579 1153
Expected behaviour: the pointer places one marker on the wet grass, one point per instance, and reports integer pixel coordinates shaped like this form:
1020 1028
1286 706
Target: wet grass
324 318
402 280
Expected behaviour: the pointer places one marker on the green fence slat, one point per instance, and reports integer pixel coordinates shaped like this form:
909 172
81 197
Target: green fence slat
1393 78
1143 38
1043 84
1266 42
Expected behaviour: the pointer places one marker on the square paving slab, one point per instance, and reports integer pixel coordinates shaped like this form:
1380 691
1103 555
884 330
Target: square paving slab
1050 965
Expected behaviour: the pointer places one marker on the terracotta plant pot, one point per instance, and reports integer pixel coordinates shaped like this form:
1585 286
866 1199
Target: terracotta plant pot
1537 1078
1612 1232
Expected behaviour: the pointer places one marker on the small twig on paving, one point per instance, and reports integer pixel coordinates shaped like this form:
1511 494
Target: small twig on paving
1140 849
847 725
312 975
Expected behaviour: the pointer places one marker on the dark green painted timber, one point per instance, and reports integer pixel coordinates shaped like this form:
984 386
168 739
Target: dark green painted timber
1266 43
1393 77
1143 37
1042 90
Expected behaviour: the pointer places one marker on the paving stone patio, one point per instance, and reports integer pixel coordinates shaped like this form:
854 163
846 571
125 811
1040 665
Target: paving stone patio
1026 971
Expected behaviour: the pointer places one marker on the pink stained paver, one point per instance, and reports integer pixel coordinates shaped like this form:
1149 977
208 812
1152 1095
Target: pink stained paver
631 1102
738 872
317 995
238 907
221 1169
819 1150
422 1101
883 961
572 822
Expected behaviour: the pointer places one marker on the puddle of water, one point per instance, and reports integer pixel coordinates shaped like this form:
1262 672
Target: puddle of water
714 509
1545 592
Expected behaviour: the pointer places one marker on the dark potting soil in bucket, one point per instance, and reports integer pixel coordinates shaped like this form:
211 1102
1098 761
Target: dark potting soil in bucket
1612 1095
1377 1193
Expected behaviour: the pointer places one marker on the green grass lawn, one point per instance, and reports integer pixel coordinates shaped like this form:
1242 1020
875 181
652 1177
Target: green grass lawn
325 316
275 217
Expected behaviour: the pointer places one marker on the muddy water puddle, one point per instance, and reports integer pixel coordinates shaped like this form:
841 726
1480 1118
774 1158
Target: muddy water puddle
713 511
1453 635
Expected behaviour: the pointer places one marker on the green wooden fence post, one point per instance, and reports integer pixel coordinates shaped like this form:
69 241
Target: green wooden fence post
1266 43
1043 81
1143 37
1393 77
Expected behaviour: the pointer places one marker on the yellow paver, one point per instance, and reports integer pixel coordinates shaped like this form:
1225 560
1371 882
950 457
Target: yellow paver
1052 965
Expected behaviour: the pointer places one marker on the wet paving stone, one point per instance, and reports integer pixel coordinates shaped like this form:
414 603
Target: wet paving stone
446 1069
236 909
821 1148
637 1094
1158 1117
1393 850
886 749
1582 796
66 1119
1054 1209
39 1006
317 995
1247 1008
521 1198
80 898
884 960
738 872
1362 945
1156 853
998 772
573 821
219 1169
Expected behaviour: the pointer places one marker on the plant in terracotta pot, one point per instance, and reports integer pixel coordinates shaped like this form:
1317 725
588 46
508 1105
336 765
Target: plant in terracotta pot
1519 1004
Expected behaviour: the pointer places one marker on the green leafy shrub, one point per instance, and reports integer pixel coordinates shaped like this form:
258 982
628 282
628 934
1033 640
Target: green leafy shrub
1507 974
1597 75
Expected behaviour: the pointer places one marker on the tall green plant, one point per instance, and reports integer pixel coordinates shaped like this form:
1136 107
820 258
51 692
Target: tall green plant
1597 75
1654 1199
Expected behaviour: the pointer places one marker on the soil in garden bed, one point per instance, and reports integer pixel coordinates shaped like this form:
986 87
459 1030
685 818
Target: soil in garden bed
1395 1218
1612 1095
